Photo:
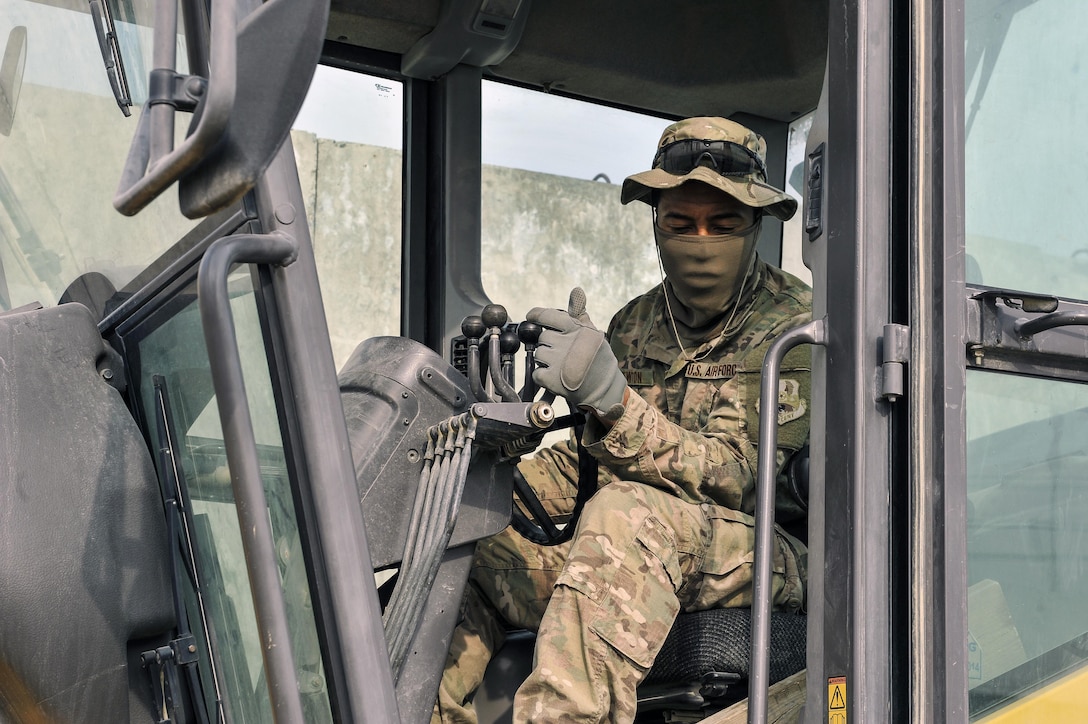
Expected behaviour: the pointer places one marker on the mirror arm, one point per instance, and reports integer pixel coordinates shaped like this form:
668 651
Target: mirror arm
153 162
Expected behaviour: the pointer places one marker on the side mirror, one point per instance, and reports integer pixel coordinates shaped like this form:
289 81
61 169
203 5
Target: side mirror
11 77
261 69
279 46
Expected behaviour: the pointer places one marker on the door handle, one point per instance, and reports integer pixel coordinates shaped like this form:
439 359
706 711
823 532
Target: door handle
759 662
225 362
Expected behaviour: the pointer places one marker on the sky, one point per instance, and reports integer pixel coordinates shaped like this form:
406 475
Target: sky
524 129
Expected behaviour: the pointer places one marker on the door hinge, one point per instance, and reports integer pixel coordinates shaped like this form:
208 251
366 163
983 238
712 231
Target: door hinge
896 354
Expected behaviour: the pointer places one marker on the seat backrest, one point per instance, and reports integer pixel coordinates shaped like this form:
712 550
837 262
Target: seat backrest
84 573
719 640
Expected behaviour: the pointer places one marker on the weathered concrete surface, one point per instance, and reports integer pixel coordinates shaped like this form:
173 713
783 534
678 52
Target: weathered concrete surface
352 195
62 177
542 234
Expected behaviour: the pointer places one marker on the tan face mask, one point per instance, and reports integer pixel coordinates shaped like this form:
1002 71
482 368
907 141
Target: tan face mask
705 272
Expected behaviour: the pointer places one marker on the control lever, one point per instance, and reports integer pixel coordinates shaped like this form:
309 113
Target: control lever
474 329
529 333
509 344
517 428
494 317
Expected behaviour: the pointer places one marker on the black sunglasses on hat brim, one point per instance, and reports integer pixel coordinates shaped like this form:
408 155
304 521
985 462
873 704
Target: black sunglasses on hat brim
725 157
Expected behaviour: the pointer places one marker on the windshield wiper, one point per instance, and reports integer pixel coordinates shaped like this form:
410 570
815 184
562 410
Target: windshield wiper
182 652
111 54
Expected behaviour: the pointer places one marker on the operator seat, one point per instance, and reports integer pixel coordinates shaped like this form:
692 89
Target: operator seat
703 665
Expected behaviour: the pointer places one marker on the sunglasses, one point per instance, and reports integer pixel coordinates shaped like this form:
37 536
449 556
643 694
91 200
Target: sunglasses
725 157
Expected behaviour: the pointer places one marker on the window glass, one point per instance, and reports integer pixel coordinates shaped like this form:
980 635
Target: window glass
1026 152
1026 165
551 209
347 141
63 144
223 617
134 23
793 230
1027 527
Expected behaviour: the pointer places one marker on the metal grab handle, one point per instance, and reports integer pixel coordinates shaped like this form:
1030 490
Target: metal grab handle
759 666
153 163
1031 327
241 446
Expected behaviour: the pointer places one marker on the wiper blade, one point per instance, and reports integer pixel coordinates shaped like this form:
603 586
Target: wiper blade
180 537
111 54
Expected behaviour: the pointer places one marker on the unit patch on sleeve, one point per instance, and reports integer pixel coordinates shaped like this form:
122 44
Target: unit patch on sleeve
791 405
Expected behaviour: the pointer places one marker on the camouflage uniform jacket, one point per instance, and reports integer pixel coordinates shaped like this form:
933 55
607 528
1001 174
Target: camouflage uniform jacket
692 429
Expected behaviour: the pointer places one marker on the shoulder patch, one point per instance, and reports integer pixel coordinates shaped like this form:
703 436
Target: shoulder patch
791 406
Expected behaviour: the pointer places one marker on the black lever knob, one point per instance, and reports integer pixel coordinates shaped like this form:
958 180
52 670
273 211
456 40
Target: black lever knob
529 333
494 315
509 342
473 327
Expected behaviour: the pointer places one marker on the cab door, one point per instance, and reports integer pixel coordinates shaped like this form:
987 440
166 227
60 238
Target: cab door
999 408
962 198
1026 356
177 543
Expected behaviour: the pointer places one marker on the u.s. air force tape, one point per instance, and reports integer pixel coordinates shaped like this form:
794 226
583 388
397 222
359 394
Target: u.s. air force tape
710 370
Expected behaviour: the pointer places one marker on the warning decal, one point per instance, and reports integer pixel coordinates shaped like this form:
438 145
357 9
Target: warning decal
836 700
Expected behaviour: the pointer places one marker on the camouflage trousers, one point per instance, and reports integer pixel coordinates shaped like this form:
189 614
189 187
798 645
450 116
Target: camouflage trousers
603 603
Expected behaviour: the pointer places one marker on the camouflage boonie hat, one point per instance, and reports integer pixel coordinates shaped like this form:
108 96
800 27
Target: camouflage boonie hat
718 152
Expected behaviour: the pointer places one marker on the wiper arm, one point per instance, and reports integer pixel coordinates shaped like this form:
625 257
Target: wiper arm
111 54
180 536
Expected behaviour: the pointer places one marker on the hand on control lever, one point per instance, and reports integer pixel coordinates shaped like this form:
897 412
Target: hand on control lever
575 361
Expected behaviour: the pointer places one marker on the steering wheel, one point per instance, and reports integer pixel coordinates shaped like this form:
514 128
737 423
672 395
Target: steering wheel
538 527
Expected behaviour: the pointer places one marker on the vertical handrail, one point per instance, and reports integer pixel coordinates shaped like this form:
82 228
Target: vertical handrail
241 447
759 663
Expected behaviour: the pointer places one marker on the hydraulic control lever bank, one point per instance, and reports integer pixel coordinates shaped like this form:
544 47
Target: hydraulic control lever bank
448 440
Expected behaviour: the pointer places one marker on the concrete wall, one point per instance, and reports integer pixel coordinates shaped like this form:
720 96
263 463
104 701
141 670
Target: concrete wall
352 195
542 234
61 178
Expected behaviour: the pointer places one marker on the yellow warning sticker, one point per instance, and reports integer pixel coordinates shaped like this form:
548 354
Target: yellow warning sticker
836 700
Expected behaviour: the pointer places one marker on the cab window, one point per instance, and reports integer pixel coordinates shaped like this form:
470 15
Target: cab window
1027 409
551 213
347 141
63 144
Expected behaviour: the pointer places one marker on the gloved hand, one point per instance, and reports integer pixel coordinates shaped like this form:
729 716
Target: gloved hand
575 360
